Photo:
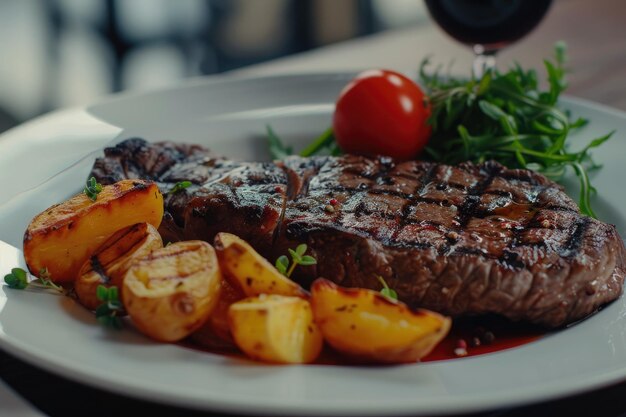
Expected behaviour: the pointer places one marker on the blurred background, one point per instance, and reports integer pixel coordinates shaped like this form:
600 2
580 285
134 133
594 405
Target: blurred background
58 53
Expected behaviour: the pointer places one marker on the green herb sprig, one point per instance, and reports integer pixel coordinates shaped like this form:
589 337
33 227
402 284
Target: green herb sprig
92 189
386 291
506 116
323 144
180 186
298 257
277 148
18 279
108 313
45 281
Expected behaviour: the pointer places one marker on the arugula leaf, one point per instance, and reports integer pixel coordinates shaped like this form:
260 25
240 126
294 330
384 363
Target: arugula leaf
507 117
278 150
324 141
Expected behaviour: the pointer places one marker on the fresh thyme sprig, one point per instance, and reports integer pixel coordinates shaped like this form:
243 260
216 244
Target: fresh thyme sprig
45 281
507 117
298 257
92 189
180 186
386 291
18 279
108 313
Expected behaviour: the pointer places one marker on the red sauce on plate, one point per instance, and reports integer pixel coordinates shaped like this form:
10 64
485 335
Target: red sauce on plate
481 335
484 335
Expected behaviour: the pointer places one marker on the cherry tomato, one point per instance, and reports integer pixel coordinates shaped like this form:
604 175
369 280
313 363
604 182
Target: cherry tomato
382 112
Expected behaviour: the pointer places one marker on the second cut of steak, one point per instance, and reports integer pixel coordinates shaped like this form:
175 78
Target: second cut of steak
460 240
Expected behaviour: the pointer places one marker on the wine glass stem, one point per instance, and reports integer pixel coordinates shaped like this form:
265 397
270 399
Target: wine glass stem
484 61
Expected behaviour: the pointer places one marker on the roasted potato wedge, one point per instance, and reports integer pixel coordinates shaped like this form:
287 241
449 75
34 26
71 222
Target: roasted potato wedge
275 328
367 325
215 333
245 269
109 263
63 237
171 292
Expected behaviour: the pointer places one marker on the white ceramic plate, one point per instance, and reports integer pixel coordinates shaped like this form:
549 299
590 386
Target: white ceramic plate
230 115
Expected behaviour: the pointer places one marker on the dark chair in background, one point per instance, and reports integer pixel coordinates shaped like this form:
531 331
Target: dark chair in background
149 43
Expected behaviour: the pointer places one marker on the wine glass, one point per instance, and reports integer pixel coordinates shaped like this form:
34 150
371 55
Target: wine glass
487 25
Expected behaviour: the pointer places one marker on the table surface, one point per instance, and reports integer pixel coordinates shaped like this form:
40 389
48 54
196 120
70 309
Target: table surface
594 31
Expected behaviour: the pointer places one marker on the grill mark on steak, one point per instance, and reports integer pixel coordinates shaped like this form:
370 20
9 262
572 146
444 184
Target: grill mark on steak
571 247
362 210
379 192
463 240
386 164
468 208
528 217
413 199
520 177
379 177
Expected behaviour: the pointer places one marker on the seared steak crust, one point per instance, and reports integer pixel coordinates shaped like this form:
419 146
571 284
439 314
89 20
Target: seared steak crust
242 198
460 240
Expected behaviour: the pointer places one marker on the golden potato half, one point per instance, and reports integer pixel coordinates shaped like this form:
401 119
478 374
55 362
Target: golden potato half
171 292
367 325
245 269
110 262
275 328
63 237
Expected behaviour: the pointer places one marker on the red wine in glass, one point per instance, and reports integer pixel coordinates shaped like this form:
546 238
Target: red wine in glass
487 25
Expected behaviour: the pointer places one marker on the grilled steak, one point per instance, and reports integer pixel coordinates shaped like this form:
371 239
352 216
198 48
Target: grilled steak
460 240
